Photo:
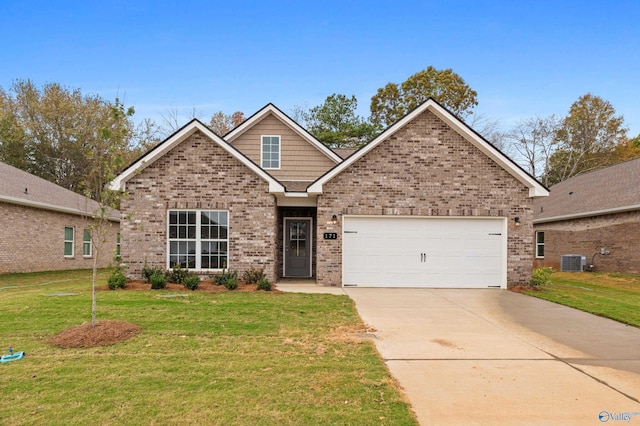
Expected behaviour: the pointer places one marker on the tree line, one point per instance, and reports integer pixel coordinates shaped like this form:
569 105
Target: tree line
81 141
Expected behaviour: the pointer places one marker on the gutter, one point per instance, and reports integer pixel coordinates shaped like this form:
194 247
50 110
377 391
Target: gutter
51 207
587 214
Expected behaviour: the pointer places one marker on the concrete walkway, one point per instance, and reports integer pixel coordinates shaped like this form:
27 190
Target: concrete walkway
487 357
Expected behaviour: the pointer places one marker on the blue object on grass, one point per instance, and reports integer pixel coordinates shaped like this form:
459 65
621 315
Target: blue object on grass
12 356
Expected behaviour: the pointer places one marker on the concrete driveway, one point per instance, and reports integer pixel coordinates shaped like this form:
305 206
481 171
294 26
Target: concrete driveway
496 357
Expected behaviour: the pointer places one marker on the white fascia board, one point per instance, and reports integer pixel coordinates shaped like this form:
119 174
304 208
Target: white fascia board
587 214
119 183
535 188
270 108
51 207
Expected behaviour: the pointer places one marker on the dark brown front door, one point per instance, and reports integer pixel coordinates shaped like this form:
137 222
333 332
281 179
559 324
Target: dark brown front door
297 248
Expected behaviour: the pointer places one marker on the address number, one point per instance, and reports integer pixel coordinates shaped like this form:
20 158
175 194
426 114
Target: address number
330 235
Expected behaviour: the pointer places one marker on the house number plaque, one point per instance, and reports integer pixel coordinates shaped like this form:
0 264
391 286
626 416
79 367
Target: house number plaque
330 235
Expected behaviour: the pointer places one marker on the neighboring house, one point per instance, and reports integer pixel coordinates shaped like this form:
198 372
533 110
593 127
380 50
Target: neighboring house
592 213
427 203
42 225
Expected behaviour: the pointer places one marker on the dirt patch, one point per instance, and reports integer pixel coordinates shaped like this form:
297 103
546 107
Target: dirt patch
521 288
104 333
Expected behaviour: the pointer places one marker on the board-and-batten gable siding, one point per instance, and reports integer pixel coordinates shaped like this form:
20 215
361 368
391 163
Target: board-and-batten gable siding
198 174
299 159
427 169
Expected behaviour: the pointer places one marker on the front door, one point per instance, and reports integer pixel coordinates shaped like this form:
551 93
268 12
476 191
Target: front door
297 247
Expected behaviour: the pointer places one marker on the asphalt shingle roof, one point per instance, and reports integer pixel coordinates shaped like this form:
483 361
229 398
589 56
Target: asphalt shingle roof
20 187
614 187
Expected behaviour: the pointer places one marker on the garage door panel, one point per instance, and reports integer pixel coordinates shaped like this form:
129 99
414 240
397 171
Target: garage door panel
423 252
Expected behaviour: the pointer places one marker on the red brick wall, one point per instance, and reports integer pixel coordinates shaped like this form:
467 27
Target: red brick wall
33 240
198 174
426 169
617 233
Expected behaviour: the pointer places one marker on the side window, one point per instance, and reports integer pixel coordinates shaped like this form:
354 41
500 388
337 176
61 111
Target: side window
270 152
539 244
118 245
68 241
86 243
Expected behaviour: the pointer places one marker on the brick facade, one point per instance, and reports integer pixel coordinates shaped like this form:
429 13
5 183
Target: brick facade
198 174
617 233
426 169
33 240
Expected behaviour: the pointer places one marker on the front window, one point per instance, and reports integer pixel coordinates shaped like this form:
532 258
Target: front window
86 243
271 152
68 241
540 244
198 239
118 246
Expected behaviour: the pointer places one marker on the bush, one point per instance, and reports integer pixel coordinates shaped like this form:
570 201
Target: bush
148 271
177 274
116 279
191 282
229 279
264 284
541 276
158 281
231 282
253 275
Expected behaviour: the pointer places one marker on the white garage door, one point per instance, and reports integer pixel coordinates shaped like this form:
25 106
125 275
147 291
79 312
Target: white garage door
423 252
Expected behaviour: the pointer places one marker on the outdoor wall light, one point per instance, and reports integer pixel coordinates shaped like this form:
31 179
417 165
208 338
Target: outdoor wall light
334 219
517 220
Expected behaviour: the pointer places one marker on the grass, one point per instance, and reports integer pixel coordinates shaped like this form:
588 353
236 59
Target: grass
229 358
610 295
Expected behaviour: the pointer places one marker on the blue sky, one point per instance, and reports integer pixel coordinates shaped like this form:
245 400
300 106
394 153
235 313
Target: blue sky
524 58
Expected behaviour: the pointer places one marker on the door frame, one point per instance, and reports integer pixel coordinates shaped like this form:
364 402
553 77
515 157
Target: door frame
285 220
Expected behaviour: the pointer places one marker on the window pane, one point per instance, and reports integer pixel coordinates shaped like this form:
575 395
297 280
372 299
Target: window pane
173 231
173 218
68 249
68 234
191 234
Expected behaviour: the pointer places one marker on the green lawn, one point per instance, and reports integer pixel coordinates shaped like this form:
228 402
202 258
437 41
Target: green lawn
615 296
220 359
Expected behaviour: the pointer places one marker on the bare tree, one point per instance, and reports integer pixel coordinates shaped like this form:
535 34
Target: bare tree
173 119
533 140
491 130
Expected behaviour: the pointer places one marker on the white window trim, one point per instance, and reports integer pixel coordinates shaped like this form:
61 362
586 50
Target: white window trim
538 244
72 241
198 239
279 151
84 242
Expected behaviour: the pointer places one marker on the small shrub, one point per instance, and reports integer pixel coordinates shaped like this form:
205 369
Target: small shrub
191 282
253 275
541 276
229 279
116 279
158 282
177 274
264 284
148 271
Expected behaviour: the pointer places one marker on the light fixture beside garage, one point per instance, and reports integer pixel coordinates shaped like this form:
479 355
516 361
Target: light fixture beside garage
517 220
334 220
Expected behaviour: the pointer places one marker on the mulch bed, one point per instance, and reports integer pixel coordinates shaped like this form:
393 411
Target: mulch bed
104 333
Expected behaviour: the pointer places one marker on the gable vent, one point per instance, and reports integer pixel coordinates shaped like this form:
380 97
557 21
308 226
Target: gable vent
572 263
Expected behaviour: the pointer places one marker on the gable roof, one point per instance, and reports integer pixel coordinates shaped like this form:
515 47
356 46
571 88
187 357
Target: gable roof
613 189
195 125
272 109
22 188
536 189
